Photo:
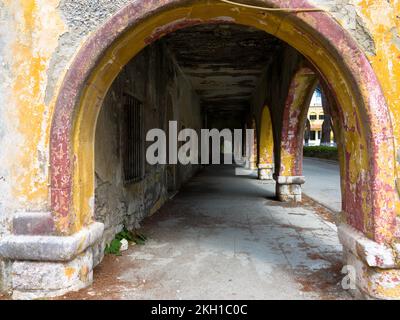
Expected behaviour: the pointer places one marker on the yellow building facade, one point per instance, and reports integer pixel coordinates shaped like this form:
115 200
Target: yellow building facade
316 117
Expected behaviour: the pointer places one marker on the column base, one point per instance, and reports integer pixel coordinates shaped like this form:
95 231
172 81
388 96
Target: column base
288 188
373 270
265 171
44 266
37 280
251 165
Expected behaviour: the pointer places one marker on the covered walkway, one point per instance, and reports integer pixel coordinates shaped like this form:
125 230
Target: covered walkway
86 166
225 237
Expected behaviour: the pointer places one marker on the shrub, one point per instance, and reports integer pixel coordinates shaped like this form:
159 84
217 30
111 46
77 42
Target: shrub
323 152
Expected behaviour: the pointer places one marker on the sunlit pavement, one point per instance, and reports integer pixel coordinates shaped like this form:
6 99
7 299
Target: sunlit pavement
225 237
323 182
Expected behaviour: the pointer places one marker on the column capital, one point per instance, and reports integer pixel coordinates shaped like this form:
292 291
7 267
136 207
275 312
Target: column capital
287 180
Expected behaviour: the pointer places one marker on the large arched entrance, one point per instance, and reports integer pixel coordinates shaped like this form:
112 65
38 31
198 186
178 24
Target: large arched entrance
363 117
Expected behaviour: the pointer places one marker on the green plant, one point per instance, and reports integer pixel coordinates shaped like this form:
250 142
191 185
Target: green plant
115 245
324 152
124 234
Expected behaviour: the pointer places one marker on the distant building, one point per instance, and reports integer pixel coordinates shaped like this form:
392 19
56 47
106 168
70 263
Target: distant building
316 119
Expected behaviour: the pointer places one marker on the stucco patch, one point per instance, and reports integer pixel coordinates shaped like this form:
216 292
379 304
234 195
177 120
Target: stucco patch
81 18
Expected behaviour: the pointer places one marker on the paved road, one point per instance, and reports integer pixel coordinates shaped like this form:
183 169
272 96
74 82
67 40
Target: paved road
322 182
226 237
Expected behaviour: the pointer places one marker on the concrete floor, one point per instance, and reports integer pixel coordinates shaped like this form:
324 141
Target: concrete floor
224 237
323 182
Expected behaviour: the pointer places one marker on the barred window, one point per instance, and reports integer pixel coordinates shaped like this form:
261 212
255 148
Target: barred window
132 139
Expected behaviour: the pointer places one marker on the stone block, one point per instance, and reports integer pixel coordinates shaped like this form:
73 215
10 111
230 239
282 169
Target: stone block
33 223
34 279
265 171
373 283
288 189
288 193
290 180
377 271
50 248
371 252
5 277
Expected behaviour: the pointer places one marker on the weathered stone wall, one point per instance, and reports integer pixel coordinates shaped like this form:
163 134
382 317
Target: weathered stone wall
39 38
154 78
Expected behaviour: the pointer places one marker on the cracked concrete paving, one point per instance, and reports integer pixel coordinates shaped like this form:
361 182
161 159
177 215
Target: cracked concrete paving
225 237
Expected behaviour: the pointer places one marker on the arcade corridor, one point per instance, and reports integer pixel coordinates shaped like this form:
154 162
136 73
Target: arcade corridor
224 237
91 93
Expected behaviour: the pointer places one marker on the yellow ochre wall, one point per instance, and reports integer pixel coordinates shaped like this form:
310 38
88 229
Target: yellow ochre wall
31 30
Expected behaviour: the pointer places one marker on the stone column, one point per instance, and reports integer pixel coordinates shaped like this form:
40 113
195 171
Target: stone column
265 171
42 264
289 160
288 188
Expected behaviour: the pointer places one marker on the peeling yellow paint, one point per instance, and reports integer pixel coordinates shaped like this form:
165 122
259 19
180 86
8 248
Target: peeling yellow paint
383 21
69 272
133 42
303 84
84 273
266 145
38 27
387 285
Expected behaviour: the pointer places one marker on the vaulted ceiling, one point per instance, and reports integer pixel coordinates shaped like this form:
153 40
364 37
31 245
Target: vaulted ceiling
224 62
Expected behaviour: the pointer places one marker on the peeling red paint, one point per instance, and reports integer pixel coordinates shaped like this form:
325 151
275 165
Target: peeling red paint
353 199
373 107
294 119
181 24
171 27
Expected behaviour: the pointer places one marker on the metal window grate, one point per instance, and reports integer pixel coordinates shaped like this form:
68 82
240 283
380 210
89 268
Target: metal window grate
132 140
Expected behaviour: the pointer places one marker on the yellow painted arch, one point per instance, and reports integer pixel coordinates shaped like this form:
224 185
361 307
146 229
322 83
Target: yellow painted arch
289 28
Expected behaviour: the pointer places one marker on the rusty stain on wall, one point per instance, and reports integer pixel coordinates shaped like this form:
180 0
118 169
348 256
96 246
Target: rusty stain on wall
360 67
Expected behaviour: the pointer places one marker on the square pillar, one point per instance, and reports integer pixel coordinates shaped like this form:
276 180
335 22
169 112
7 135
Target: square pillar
372 270
41 264
288 188
266 171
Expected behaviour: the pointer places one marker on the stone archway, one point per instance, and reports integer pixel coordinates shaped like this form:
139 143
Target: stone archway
368 139
289 169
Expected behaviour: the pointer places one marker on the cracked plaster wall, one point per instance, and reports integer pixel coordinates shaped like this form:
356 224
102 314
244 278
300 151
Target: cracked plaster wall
39 38
151 77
